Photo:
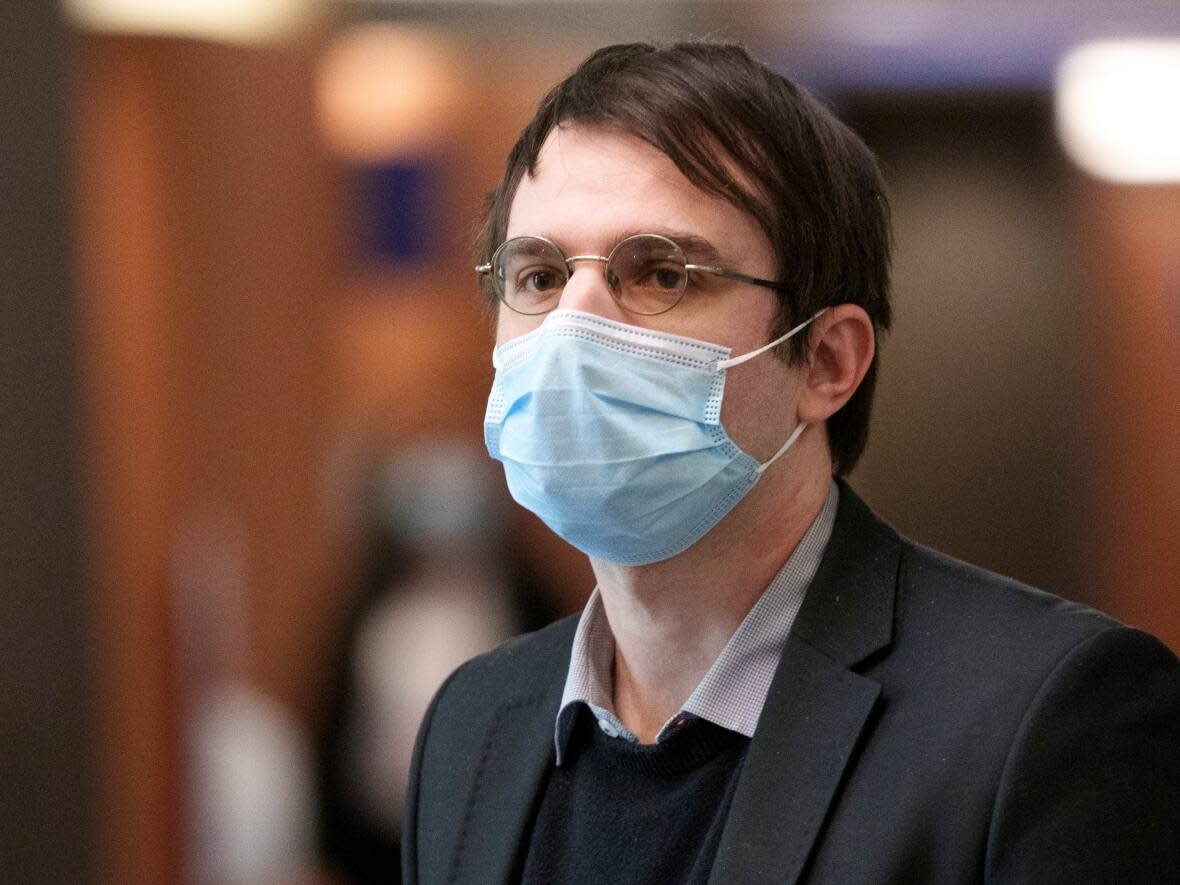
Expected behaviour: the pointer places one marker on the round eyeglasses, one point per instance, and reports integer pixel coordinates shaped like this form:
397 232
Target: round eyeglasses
646 273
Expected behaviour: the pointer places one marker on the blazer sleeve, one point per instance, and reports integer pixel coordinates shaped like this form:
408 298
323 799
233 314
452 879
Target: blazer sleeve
1091 787
413 790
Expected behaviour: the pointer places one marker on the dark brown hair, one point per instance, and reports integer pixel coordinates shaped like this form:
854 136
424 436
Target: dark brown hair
809 181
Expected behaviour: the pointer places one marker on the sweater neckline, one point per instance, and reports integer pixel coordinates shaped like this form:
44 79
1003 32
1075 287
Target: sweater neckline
692 745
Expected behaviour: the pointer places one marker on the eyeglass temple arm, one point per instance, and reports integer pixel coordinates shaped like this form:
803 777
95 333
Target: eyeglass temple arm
483 268
734 275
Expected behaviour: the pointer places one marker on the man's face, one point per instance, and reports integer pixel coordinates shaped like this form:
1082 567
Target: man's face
593 188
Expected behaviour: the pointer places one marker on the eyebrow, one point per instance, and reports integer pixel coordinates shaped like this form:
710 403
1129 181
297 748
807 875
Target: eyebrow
696 248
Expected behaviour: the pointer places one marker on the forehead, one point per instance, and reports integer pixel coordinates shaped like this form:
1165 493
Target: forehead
594 186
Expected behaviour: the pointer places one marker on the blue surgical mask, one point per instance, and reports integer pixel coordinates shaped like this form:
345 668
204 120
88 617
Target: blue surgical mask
612 434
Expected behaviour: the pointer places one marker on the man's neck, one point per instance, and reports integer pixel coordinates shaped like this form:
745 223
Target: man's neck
671 619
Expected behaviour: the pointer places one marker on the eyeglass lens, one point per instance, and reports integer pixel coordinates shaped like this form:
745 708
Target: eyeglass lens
645 273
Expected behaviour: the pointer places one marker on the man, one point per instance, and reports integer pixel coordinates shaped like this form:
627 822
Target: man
689 259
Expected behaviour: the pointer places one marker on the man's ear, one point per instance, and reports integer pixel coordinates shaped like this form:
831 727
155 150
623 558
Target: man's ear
841 346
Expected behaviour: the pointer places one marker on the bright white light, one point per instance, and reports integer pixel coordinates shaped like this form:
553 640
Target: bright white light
1118 109
225 20
385 90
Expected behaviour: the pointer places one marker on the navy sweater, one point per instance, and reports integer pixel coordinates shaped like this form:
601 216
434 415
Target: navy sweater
622 813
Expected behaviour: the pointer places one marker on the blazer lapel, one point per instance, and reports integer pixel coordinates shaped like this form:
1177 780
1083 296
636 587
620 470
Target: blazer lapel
516 756
817 707
792 770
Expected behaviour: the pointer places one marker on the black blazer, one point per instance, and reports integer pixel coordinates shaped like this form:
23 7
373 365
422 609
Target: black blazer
929 722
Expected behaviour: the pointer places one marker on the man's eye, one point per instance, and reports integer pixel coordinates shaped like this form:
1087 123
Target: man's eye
669 278
540 280
661 277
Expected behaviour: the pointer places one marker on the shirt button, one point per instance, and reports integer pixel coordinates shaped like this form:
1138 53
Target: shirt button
608 729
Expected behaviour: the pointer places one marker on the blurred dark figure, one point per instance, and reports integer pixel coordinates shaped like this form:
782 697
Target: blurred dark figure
440 584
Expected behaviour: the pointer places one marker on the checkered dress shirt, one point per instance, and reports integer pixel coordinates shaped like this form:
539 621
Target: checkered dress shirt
734 689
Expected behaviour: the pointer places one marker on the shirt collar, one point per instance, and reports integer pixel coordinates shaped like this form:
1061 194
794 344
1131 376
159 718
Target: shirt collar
733 690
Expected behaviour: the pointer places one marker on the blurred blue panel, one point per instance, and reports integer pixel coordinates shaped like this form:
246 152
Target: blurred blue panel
399 218
827 69
985 45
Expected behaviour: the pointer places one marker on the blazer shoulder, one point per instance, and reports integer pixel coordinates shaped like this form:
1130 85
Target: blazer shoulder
522 666
491 720
967 609
927 574
1089 790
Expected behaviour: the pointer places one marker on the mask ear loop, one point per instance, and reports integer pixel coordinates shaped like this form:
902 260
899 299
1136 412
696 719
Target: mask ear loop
745 357
795 434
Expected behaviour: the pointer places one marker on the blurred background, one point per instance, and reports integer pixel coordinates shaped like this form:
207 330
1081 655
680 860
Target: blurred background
246 521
